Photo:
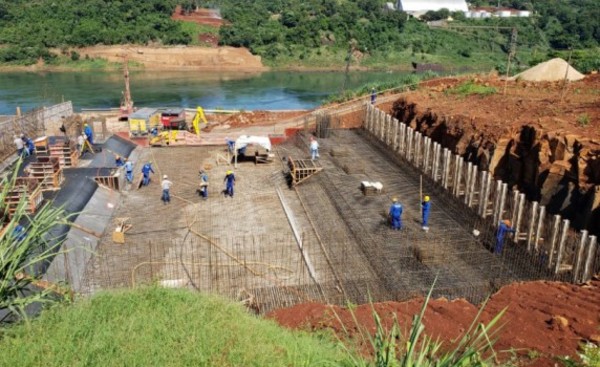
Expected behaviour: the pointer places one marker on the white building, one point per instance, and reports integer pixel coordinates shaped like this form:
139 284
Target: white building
420 7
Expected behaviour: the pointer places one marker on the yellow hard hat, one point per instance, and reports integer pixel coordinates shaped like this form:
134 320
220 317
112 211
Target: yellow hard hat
229 172
85 124
394 200
426 198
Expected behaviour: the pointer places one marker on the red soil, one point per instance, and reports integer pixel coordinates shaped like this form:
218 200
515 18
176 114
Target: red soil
549 318
200 16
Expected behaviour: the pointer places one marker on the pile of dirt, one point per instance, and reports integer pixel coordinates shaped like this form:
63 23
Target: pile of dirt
542 320
199 16
549 71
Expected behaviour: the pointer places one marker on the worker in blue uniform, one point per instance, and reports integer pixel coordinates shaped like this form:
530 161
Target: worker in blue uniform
87 130
146 169
19 233
425 209
504 227
128 170
119 162
203 190
373 96
395 215
230 181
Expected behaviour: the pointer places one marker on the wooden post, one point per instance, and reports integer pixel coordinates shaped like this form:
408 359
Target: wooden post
554 239
497 194
395 124
531 227
589 261
539 228
561 244
472 188
579 256
517 224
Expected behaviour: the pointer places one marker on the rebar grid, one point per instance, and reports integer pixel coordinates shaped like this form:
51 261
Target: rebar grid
272 246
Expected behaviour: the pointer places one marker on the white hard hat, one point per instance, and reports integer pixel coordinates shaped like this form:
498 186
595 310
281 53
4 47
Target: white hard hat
165 176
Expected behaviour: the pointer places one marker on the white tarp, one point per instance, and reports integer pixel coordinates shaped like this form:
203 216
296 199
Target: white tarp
246 140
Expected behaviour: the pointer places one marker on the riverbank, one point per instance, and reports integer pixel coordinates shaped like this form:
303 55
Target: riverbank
223 58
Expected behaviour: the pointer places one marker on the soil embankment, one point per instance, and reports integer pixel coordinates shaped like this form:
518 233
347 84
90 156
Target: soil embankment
543 320
179 57
541 138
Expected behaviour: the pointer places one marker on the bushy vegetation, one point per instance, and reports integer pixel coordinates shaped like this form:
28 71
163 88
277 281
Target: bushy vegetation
161 327
286 29
470 88
29 28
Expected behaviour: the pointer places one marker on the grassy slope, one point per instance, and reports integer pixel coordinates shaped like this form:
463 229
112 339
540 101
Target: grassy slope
160 327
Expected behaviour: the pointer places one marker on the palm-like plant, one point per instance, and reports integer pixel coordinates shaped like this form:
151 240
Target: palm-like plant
475 348
26 248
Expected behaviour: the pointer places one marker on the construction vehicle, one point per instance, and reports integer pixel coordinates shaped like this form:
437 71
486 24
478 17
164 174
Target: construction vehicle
197 119
173 119
263 155
143 121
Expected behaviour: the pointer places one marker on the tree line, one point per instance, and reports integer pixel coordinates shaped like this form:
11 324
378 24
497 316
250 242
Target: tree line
279 29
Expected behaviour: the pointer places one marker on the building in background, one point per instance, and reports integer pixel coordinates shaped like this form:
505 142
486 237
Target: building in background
417 8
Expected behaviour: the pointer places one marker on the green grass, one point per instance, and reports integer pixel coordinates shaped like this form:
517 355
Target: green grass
160 327
471 88
195 29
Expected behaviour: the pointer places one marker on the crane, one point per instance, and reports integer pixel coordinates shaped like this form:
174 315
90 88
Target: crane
126 102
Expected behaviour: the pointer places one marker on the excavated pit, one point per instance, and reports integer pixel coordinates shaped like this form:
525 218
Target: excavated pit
521 140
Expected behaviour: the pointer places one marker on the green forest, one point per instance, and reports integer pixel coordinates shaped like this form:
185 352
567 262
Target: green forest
308 33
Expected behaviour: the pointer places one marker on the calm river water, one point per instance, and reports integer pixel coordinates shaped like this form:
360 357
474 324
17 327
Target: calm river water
211 90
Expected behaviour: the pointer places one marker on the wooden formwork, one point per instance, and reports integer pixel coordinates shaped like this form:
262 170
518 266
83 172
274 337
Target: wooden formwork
29 189
47 172
114 182
67 154
302 169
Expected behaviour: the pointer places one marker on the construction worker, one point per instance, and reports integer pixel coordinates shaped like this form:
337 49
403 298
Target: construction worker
425 208
20 145
87 130
28 145
230 145
395 215
146 169
203 190
119 161
166 186
128 170
230 181
504 227
80 142
314 148
373 96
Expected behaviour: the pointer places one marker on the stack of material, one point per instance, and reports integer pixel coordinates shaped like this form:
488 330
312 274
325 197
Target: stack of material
371 188
352 167
41 146
30 190
339 152
66 153
550 71
46 171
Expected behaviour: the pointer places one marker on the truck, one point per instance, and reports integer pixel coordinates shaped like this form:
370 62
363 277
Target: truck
142 121
173 119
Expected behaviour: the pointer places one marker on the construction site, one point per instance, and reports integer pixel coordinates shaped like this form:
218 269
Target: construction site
299 231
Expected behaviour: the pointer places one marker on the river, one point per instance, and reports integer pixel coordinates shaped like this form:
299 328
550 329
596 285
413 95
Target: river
211 90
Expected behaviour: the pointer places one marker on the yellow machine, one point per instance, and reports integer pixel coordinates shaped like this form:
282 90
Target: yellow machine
197 119
165 137
142 121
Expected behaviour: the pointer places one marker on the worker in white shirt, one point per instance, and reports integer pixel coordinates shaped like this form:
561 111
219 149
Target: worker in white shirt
20 145
314 148
166 186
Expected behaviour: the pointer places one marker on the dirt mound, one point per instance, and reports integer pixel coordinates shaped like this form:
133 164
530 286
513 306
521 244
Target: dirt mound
549 71
543 319
179 57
